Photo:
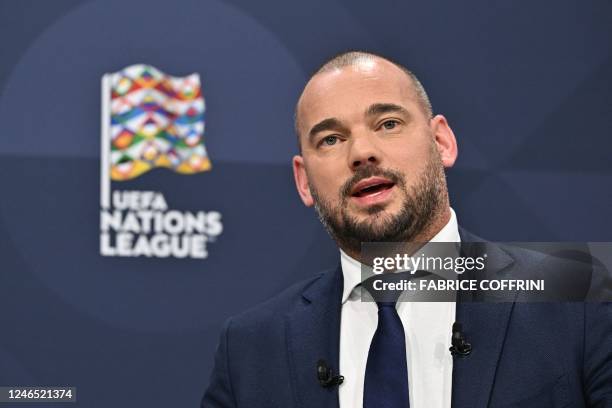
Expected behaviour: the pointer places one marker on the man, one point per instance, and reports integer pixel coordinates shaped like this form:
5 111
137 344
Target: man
372 164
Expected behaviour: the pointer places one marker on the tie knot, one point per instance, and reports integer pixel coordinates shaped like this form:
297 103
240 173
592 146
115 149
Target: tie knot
386 288
382 305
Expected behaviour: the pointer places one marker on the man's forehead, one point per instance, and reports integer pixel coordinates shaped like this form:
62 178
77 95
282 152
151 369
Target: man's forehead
369 81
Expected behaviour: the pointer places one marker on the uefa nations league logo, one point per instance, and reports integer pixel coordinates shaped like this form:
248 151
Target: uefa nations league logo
151 119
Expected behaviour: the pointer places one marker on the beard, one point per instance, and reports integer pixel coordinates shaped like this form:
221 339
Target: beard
420 205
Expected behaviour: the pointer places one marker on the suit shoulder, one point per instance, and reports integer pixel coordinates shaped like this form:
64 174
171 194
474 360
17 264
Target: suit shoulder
543 257
523 256
276 307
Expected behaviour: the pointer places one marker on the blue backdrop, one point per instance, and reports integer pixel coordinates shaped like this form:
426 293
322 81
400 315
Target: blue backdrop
527 88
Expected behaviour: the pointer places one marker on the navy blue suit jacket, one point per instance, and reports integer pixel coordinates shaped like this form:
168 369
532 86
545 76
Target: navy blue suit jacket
556 354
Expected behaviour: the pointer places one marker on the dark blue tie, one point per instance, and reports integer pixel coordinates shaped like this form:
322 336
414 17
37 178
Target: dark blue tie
386 377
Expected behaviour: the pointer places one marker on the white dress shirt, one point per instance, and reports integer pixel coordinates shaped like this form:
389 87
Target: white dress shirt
427 326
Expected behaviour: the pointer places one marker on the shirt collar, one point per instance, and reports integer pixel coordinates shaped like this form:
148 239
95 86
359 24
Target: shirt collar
351 268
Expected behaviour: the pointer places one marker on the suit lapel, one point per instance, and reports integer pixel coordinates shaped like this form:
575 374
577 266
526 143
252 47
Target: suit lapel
313 333
484 325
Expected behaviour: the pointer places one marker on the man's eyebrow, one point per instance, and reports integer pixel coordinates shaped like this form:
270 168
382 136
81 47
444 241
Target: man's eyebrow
326 124
380 108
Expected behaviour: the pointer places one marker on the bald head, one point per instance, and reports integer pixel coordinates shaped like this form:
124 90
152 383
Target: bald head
354 58
361 59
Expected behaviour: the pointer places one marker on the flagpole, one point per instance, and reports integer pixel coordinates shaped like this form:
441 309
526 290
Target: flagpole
105 180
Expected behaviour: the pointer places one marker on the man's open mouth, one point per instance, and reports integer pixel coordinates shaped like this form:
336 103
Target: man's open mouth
371 186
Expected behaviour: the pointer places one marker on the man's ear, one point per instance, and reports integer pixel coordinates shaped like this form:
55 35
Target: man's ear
301 181
445 140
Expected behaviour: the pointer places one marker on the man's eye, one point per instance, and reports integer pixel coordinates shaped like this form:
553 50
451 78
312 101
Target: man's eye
390 124
330 140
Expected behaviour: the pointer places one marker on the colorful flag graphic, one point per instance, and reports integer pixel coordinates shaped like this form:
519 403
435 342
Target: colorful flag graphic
154 120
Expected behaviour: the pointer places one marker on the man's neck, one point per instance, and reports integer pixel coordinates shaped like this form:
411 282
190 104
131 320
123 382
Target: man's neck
432 228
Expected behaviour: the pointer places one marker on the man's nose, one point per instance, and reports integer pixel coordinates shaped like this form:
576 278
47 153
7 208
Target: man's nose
363 152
